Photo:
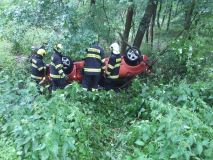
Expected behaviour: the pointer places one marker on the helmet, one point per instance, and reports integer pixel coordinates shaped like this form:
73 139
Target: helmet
41 52
58 47
115 48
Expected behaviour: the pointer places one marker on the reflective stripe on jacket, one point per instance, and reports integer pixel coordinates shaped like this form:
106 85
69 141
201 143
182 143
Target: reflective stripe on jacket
56 66
38 67
113 66
93 60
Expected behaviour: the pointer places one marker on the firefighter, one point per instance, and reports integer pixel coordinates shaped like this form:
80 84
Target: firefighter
56 69
38 68
92 67
112 71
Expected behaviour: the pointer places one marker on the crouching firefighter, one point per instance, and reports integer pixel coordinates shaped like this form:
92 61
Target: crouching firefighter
38 69
113 67
56 69
92 67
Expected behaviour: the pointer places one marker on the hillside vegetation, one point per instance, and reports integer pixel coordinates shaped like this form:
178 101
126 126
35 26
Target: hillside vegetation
166 114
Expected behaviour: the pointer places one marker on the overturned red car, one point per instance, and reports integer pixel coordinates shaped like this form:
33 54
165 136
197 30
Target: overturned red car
132 64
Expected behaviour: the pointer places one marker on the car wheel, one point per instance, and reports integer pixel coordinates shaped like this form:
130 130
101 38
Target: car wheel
132 56
67 64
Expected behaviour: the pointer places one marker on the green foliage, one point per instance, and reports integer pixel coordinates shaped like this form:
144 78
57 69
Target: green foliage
147 122
5 49
7 151
174 122
172 133
186 57
166 115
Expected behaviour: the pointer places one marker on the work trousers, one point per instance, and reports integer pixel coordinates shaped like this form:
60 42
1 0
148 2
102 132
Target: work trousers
90 82
58 83
111 84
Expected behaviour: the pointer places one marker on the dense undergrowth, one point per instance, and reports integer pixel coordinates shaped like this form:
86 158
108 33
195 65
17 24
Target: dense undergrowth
153 119
165 115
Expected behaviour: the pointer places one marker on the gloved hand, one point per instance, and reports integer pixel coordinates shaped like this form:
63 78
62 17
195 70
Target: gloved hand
42 81
66 77
104 74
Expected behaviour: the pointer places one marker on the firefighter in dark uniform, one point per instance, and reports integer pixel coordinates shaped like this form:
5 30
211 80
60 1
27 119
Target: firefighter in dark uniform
113 67
56 69
38 68
92 67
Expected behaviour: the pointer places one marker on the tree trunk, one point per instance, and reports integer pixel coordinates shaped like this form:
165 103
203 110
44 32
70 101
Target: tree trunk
128 24
92 5
177 7
107 20
144 23
153 24
133 30
164 13
158 15
147 35
188 15
170 14
92 2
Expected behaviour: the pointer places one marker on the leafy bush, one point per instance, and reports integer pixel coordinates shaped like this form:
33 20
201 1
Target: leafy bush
173 122
165 116
186 56
7 151
150 120
171 133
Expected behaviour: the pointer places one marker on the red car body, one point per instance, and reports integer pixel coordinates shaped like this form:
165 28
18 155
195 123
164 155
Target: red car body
125 69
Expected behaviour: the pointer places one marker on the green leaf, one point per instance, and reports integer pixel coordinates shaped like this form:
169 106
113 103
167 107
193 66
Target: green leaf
71 142
174 155
139 142
199 148
40 147
44 155
64 151
22 141
145 136
55 150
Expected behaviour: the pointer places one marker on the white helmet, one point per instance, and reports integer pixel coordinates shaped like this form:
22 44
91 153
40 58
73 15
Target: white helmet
115 48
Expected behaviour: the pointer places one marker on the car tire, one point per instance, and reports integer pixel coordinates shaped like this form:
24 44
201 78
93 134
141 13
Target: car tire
132 56
67 64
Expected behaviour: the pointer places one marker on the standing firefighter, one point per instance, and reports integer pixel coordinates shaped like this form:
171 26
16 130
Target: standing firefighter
38 68
92 67
112 72
56 69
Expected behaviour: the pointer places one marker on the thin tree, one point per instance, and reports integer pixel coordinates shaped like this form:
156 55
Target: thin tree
164 13
128 25
188 14
159 12
92 5
147 35
177 7
144 23
92 2
170 14
153 23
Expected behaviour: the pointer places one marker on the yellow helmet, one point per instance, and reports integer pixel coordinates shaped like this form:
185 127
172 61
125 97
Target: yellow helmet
58 47
41 52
